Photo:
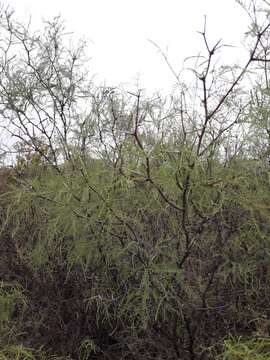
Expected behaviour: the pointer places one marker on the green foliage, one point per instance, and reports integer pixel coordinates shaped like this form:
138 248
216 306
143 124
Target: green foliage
140 265
132 228
11 296
19 352
86 349
243 349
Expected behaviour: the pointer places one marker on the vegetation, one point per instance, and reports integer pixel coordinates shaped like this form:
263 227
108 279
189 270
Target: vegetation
133 227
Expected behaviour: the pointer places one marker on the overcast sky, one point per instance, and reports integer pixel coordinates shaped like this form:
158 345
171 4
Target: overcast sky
118 32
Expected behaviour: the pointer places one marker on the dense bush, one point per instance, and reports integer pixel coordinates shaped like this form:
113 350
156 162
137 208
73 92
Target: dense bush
123 270
137 228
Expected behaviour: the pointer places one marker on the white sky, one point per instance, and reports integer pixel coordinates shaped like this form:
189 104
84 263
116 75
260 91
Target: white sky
118 33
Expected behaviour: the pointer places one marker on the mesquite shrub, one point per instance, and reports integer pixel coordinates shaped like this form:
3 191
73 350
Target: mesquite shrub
133 227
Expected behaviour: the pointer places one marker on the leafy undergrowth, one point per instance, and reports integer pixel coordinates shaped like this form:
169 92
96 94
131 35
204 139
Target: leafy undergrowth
116 273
